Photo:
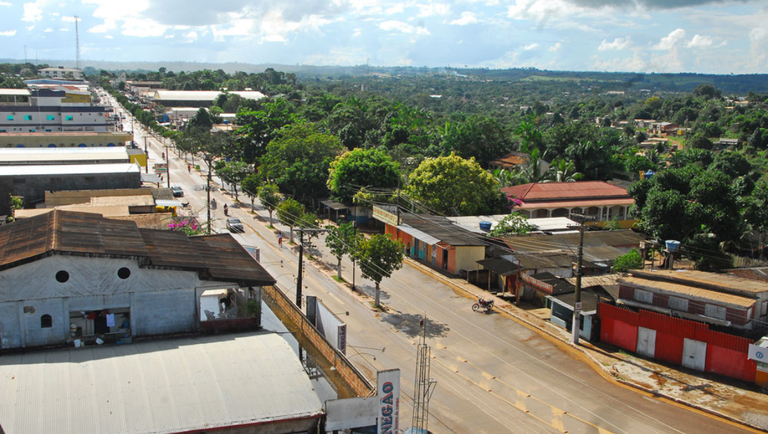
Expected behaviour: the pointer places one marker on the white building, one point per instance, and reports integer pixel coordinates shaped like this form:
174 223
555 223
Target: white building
49 111
61 72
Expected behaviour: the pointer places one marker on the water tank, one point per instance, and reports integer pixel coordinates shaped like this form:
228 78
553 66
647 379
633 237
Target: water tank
672 245
485 226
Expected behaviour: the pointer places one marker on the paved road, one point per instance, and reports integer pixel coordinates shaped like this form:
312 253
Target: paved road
494 375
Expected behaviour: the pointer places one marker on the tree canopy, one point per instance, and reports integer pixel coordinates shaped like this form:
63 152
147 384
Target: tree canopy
379 256
361 168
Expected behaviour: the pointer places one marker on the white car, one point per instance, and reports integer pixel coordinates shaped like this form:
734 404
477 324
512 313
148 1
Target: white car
235 225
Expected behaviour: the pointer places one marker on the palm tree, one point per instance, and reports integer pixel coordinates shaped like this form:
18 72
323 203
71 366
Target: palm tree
563 170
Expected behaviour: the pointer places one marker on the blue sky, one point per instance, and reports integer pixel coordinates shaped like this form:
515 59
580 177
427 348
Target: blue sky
593 35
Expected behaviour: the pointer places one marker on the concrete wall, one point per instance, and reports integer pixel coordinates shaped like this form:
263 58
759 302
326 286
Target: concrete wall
33 188
467 257
161 301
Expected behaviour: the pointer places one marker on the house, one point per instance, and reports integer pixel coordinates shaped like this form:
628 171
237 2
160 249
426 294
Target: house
711 298
43 156
69 277
435 240
727 143
514 160
664 128
194 98
55 110
479 224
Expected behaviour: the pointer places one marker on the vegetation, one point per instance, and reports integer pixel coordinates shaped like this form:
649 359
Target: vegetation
513 224
290 212
342 240
379 256
361 168
630 261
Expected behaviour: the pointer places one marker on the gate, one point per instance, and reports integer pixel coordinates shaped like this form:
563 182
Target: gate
694 354
646 342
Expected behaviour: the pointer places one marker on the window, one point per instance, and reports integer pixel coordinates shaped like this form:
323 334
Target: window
46 321
676 303
27 117
643 296
764 309
62 276
51 117
69 118
10 117
714 311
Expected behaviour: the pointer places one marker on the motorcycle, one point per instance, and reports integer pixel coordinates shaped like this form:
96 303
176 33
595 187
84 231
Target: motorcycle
484 304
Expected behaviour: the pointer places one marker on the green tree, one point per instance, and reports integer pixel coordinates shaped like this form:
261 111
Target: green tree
251 185
455 186
513 224
290 212
342 240
361 168
260 127
233 172
379 256
630 261
299 159
270 197
201 121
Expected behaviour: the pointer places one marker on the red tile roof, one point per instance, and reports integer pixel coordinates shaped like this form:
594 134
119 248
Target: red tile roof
557 191
511 160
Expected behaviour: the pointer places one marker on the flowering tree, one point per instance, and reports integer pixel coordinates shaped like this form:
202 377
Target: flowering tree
188 225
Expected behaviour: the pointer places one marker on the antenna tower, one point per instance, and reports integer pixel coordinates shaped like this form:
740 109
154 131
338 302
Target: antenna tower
77 40
423 385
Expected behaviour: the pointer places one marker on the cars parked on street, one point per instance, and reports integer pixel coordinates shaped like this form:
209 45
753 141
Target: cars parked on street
235 225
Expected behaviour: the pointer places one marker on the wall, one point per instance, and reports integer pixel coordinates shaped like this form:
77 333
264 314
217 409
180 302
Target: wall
161 301
467 257
725 354
33 188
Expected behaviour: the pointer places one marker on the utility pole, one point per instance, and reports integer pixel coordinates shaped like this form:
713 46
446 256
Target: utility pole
576 324
208 190
77 42
301 260
354 237
423 385
167 164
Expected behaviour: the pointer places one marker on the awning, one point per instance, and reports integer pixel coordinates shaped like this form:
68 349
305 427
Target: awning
419 235
332 204
161 202
150 177
500 266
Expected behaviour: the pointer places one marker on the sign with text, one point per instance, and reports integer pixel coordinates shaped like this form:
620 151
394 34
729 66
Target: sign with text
384 216
389 402
577 306
758 353
161 168
342 337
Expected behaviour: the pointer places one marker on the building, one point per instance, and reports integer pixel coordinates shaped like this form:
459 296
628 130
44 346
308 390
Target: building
79 139
434 240
61 72
31 182
49 111
194 98
514 160
45 156
719 299
68 277
596 199
726 143
244 383
544 225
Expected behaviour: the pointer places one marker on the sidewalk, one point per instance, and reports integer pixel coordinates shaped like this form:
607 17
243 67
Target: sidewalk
702 391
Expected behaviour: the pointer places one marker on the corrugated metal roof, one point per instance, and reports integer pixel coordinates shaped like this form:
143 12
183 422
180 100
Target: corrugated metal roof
569 241
603 280
576 203
419 235
443 229
14 92
68 169
500 266
215 257
200 95
15 155
688 291
472 223
714 281
160 386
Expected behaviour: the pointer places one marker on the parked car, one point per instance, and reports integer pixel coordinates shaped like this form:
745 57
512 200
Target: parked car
235 225
177 191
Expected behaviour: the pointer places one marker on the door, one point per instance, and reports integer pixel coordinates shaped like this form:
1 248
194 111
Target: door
445 259
434 254
646 342
694 354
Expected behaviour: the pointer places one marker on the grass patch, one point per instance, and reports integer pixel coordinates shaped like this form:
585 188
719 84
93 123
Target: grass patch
339 279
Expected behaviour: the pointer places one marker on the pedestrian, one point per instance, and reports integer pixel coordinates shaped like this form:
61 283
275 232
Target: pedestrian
280 239
189 168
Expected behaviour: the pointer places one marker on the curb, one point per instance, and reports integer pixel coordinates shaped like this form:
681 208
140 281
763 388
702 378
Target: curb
603 371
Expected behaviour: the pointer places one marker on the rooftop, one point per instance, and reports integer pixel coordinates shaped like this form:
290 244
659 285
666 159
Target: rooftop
70 169
443 230
689 291
200 95
512 159
713 281
160 386
214 257
472 223
18 155
555 191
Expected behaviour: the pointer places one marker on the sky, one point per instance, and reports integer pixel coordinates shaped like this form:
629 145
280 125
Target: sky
703 36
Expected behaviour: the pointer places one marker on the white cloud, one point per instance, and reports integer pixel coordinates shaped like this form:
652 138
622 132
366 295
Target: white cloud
191 36
171 36
556 47
5 4
275 28
63 29
55 14
394 9
68 19
357 32
8 33
466 19
617 44
530 47
669 41
432 9
143 27
108 37
30 28
403 27
699 41
33 11
630 64
48 30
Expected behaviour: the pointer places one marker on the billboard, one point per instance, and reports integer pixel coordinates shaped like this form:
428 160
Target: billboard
389 402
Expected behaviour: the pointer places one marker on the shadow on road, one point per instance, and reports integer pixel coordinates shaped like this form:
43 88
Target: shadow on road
409 324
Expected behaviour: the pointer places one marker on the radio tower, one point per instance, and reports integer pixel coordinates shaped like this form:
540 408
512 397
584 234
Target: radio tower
77 39
423 385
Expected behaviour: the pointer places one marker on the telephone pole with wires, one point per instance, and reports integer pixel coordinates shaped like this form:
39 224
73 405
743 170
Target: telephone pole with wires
301 260
576 323
423 385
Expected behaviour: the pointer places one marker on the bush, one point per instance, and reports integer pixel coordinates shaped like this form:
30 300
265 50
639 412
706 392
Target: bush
630 261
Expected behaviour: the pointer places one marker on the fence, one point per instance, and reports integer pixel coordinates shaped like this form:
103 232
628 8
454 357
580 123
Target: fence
348 380
677 341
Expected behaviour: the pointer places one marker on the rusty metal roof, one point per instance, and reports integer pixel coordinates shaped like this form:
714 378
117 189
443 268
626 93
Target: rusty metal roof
713 281
559 191
215 257
689 291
